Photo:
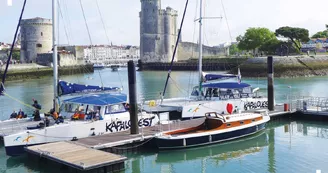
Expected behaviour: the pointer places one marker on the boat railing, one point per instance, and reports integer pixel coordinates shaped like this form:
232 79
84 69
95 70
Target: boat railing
314 103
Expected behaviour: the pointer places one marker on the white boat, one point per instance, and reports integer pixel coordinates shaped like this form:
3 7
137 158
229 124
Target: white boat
98 66
216 128
211 95
112 115
115 118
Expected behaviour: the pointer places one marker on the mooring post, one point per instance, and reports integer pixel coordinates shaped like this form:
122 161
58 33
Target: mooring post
270 84
133 107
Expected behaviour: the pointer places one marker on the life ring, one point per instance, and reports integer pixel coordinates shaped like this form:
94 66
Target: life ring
152 103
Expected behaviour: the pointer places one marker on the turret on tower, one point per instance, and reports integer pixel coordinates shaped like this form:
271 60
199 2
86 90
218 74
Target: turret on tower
158 32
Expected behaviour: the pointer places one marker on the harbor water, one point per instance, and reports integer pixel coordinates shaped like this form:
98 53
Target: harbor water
284 146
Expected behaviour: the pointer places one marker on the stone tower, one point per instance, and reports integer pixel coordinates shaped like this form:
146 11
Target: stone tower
158 32
36 37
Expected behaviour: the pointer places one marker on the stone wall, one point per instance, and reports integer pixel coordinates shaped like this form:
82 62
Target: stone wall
64 59
188 50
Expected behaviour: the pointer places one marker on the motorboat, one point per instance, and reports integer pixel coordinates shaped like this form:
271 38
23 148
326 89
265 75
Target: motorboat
216 128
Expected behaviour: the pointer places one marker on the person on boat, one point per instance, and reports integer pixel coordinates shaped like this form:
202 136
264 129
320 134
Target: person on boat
13 115
98 116
76 115
21 114
36 113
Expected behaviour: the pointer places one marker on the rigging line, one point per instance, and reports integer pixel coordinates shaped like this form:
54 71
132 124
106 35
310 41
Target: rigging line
68 19
92 49
102 21
191 76
61 14
226 20
11 50
175 48
19 101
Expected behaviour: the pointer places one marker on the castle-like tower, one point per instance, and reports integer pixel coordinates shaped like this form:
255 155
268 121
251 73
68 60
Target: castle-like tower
36 37
158 32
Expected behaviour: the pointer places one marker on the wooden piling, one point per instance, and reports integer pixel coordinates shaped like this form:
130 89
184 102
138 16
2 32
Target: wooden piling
133 107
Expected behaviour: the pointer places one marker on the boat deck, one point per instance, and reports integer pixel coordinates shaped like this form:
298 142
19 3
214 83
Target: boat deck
13 127
122 138
76 156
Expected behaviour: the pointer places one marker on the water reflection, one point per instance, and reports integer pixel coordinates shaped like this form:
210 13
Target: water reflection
219 152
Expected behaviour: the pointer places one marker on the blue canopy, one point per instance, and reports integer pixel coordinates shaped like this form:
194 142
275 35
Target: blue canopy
227 85
99 99
71 88
209 77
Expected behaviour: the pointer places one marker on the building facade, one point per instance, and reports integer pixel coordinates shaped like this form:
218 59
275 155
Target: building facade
110 54
158 32
36 38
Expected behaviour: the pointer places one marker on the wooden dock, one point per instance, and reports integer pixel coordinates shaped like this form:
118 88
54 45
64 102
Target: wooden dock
84 153
78 157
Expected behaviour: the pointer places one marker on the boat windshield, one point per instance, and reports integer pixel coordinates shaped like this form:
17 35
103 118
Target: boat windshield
224 93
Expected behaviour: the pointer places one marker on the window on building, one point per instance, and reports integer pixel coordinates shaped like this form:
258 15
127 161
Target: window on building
38 45
41 33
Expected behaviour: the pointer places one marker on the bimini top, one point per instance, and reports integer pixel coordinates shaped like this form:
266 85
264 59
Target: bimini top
226 85
71 88
99 99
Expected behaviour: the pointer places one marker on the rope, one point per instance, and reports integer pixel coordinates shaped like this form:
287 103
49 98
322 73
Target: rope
11 49
51 136
93 52
136 146
226 20
176 46
19 101
65 29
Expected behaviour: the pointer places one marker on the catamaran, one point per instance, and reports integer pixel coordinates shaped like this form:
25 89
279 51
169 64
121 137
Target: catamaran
211 95
87 111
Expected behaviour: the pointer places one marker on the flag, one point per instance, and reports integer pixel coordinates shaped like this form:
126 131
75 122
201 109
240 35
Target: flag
239 76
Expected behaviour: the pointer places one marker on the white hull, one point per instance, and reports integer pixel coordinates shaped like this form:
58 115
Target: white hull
72 130
191 108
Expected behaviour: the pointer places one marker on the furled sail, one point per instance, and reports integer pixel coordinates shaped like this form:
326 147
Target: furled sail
72 88
210 77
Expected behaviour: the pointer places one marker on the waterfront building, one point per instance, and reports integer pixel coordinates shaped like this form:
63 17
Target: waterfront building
110 54
35 38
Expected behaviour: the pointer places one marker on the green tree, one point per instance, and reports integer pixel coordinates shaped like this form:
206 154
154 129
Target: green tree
16 55
271 46
254 38
296 35
233 49
321 34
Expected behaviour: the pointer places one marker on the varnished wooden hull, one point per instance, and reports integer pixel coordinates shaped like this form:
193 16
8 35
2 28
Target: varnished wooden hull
171 143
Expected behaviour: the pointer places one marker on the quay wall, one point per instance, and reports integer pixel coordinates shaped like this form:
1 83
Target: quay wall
293 66
33 71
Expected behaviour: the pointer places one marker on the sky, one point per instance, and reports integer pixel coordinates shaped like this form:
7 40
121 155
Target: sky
121 18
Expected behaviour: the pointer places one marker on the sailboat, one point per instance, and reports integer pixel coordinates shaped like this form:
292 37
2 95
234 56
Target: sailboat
211 95
95 110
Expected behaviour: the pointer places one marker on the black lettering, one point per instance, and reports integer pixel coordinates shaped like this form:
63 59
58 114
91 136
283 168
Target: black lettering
108 127
140 122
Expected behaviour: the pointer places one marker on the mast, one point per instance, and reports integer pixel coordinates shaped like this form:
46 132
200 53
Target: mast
200 48
54 54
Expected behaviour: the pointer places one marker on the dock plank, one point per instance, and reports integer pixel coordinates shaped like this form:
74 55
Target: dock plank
76 156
